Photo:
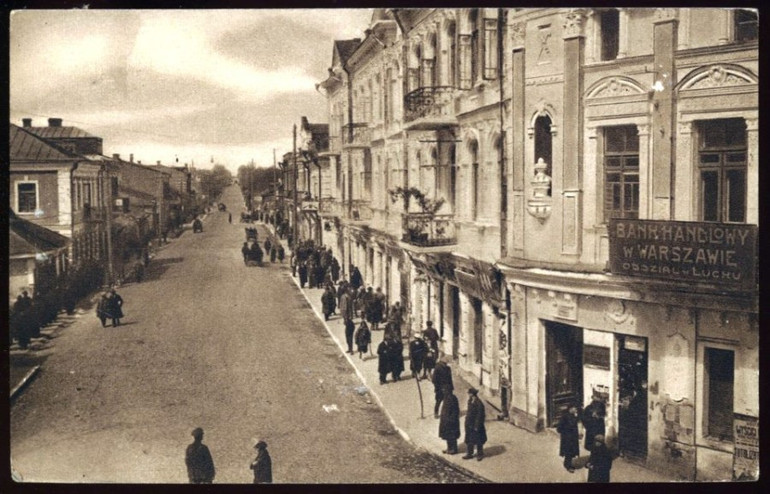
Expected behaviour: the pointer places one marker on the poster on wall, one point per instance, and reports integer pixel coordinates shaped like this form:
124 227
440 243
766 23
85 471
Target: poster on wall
746 451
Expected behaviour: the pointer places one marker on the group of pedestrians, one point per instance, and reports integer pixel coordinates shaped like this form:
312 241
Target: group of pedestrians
200 464
593 416
449 415
316 266
252 252
22 319
110 307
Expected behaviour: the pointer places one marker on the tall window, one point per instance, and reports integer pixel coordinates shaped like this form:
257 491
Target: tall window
26 197
621 172
544 143
722 167
378 89
387 184
367 175
474 152
609 27
720 374
475 58
451 60
490 48
746 25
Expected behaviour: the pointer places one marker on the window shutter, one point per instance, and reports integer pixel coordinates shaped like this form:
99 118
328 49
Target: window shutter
464 61
489 52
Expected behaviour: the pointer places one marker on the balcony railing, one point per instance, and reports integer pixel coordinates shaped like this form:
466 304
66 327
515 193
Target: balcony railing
426 230
357 134
428 102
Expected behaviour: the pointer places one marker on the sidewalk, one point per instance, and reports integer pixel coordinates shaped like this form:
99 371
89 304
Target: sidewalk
512 455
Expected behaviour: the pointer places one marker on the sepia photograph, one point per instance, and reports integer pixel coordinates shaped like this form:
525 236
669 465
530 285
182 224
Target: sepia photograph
442 245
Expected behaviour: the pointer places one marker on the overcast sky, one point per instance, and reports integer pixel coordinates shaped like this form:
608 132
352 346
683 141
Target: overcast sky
196 84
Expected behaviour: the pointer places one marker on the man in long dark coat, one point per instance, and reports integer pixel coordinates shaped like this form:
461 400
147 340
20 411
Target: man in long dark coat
356 280
396 350
442 380
246 252
103 309
302 273
281 253
273 253
475 430
23 318
363 338
350 328
115 307
328 302
200 466
376 308
417 351
256 253
569 444
335 269
383 360
600 462
449 424
262 464
593 420
431 336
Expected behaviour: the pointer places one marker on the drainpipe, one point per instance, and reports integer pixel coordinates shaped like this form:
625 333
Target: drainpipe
503 179
350 139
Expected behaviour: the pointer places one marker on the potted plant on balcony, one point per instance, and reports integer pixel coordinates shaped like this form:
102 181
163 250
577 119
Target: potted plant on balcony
415 231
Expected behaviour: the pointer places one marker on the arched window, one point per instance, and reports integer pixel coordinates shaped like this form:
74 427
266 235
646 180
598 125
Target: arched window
473 151
451 57
543 143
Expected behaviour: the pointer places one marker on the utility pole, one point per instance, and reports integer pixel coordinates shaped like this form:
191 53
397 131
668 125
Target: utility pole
107 219
275 193
294 213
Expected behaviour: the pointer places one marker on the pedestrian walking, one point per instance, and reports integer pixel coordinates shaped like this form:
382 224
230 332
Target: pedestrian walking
396 318
103 308
262 464
268 244
569 443
428 364
593 420
230 218
245 252
328 302
335 269
356 280
115 306
475 430
350 328
417 351
302 273
431 336
442 380
396 351
363 338
600 462
449 423
376 308
200 465
281 253
383 360
273 253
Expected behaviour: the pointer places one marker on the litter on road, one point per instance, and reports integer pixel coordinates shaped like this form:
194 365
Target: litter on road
331 408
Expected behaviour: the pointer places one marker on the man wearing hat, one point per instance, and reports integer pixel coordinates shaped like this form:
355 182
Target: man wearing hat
593 420
442 380
475 431
449 424
262 465
600 461
417 350
200 466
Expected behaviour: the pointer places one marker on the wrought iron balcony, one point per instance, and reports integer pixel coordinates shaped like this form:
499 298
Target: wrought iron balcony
426 230
428 102
357 134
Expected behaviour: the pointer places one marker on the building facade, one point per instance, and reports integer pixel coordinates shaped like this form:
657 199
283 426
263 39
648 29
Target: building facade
571 195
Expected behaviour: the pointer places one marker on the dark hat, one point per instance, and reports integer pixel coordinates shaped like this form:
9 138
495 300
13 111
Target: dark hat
197 432
599 438
473 391
260 444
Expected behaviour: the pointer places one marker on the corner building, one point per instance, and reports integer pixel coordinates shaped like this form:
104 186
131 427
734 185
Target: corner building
597 173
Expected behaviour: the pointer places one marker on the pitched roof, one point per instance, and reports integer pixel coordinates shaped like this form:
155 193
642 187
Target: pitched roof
59 132
26 237
346 47
25 146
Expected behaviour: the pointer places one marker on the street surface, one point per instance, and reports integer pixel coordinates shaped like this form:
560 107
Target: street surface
207 342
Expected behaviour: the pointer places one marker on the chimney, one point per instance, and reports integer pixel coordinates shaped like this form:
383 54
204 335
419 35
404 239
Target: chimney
158 162
26 122
139 162
131 157
116 156
54 122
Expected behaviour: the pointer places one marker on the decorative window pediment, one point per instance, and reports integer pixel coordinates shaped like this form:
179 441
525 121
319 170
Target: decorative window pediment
613 87
716 76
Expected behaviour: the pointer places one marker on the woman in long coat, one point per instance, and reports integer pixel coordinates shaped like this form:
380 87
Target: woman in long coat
262 465
363 338
383 361
475 430
396 351
115 307
103 309
302 273
449 423
328 302
569 445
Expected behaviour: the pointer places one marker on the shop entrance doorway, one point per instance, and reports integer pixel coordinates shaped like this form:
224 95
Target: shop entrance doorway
632 396
564 369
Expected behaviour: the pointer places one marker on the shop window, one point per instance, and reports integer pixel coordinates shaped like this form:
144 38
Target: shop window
720 375
621 172
746 25
26 197
722 163
609 29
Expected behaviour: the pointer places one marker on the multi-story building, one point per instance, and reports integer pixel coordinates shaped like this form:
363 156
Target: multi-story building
571 196
143 191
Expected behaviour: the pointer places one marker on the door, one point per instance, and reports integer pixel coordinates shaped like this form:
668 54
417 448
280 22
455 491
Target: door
455 297
564 369
632 396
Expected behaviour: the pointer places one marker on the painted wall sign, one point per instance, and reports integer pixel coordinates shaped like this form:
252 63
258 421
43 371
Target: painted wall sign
596 356
746 451
684 250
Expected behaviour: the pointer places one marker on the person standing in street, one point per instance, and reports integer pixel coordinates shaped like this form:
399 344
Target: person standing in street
475 430
431 336
262 464
600 462
281 253
200 465
569 444
449 423
103 308
396 352
328 302
593 420
230 218
115 307
346 311
302 273
363 338
245 252
383 360
442 380
23 319
417 351
273 253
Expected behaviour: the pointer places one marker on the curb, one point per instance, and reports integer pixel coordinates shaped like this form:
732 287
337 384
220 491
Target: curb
27 378
360 375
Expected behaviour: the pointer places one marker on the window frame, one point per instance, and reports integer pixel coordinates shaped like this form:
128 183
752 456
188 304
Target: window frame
722 167
737 25
36 184
622 171
604 31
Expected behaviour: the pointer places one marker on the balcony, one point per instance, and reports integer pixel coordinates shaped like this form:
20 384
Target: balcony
329 207
360 212
429 108
356 135
426 230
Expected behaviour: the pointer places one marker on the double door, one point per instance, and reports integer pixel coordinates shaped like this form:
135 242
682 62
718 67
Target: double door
564 369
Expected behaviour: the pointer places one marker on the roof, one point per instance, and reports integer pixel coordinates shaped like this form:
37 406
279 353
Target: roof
346 47
25 146
60 132
26 237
